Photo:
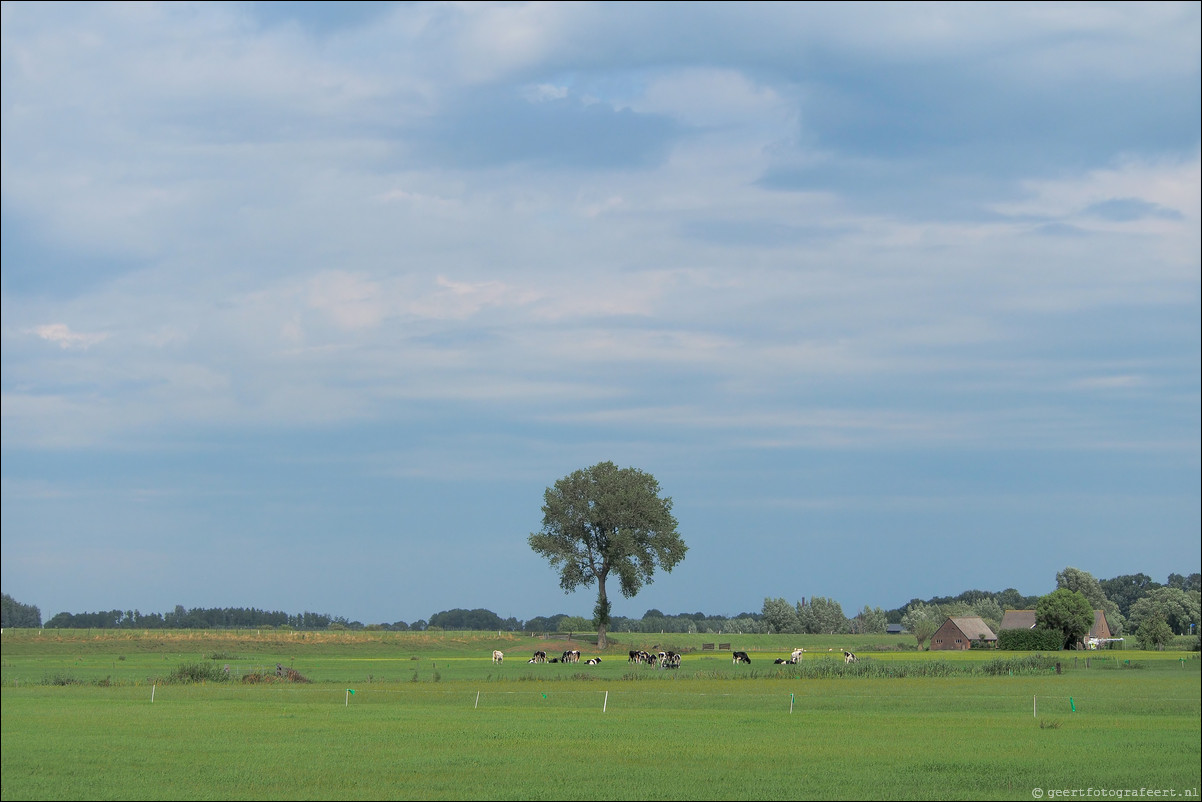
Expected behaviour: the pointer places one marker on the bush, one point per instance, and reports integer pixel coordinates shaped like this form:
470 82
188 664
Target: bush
60 679
266 678
1030 640
197 672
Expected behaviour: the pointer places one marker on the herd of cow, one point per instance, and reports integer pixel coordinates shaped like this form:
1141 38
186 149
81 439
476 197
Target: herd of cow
662 659
794 658
570 656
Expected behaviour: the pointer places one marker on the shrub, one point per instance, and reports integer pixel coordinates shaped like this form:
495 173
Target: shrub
60 679
1030 640
197 672
289 675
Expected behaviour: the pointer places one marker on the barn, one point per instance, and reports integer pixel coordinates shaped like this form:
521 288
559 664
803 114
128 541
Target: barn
959 632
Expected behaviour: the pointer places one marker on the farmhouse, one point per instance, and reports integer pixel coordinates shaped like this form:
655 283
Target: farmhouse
959 632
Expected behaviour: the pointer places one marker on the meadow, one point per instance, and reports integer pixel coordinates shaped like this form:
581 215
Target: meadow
382 715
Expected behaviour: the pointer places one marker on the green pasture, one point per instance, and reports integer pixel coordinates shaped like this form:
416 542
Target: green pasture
91 715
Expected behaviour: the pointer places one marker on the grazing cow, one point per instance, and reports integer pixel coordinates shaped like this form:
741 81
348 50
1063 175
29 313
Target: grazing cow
571 656
539 657
592 661
497 656
848 657
741 657
635 656
669 660
796 656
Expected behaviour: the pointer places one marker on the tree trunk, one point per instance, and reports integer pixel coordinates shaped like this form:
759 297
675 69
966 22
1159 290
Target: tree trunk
602 614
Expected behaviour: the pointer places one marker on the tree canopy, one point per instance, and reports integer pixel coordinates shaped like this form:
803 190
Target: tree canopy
607 520
1177 608
15 614
1089 587
1066 611
1154 632
922 620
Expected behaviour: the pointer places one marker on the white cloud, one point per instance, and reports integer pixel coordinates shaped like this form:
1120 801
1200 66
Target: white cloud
545 92
351 301
718 97
1173 185
61 334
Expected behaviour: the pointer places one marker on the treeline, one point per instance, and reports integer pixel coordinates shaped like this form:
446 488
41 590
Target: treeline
15 614
198 618
1129 600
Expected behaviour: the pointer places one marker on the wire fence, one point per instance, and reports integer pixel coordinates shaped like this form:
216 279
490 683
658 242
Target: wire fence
624 699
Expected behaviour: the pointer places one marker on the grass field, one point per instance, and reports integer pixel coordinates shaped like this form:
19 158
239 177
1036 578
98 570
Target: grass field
431 717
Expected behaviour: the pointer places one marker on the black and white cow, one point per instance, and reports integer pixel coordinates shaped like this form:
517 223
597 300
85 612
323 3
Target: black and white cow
497 656
539 657
741 657
848 657
571 656
792 660
592 661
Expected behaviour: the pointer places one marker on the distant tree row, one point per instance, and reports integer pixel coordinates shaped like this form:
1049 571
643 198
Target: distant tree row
1131 601
199 618
460 619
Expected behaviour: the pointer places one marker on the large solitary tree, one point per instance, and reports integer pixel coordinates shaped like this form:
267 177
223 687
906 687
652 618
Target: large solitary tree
1066 611
604 521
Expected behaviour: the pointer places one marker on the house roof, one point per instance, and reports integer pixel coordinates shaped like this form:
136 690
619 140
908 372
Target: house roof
1018 619
1101 627
974 627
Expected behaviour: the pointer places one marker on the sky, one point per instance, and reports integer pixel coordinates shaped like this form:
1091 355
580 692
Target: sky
306 305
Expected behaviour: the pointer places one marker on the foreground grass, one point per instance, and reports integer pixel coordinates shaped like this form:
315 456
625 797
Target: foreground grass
709 731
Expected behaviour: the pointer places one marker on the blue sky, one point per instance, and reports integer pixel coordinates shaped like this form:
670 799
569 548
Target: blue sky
304 306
